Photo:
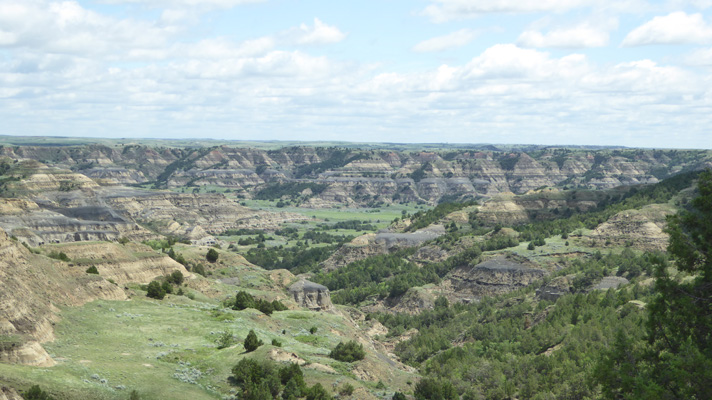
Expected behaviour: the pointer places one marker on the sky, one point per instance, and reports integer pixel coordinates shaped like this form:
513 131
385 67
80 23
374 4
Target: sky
554 72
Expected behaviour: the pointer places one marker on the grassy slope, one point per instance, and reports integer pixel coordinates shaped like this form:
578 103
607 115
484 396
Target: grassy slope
145 344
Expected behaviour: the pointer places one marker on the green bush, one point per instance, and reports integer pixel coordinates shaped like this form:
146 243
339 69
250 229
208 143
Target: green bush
155 290
317 392
212 255
199 269
265 380
61 256
251 342
36 393
347 390
431 389
176 277
245 300
92 270
225 340
348 352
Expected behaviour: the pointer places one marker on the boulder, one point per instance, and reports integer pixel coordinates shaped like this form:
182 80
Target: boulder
311 295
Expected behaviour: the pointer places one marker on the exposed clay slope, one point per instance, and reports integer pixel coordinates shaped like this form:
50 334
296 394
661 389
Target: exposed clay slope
495 276
122 263
642 228
379 243
33 286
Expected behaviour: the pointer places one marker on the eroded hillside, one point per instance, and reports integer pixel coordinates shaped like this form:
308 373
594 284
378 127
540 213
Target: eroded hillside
430 261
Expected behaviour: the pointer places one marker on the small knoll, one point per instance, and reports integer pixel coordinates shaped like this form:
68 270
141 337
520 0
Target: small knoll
556 288
502 209
642 228
379 243
495 276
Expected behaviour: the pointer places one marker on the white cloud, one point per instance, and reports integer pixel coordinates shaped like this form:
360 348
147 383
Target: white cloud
584 35
699 57
68 28
173 4
680 4
675 28
69 70
446 10
319 33
452 40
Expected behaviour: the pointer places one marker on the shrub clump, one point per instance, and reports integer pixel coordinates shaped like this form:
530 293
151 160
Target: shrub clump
267 380
61 256
155 290
348 352
245 300
212 255
251 342
36 393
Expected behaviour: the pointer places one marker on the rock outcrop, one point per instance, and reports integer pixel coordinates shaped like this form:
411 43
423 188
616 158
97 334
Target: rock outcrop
610 282
311 295
642 228
7 393
496 276
556 288
372 244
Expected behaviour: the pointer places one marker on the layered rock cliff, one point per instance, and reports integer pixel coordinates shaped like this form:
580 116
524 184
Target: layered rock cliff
362 177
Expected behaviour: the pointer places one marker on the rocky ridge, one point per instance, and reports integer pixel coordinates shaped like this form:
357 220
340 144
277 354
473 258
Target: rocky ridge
363 177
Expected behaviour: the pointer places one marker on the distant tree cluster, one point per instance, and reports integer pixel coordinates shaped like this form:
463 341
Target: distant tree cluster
158 288
674 358
297 259
422 219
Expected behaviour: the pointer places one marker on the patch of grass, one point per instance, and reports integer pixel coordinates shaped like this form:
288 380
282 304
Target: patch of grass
308 339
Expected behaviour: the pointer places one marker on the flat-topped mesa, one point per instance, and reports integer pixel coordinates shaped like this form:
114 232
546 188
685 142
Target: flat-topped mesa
311 295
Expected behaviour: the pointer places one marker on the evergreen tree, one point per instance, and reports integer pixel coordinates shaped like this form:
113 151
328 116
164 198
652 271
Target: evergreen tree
212 255
291 391
251 342
155 290
36 393
431 389
680 323
348 352
676 360
317 392
244 300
